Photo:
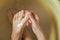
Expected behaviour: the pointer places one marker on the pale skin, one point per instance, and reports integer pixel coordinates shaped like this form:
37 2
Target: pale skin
23 19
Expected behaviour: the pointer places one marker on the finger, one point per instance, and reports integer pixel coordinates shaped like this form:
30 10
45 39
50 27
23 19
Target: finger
32 18
33 14
15 16
36 17
21 13
24 20
27 23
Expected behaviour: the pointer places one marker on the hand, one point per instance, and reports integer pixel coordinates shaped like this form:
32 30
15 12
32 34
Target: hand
19 24
35 26
34 21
